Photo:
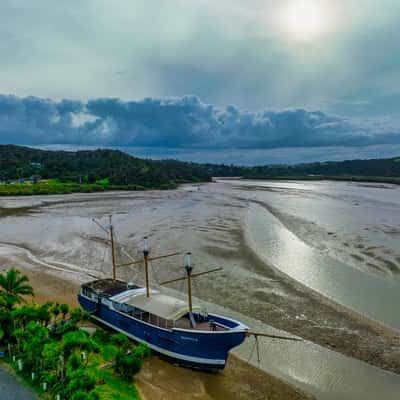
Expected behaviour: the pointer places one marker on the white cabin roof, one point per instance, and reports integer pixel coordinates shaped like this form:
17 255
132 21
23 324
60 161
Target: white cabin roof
159 304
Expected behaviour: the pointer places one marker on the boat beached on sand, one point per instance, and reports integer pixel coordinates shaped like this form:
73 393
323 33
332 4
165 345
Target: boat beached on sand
182 332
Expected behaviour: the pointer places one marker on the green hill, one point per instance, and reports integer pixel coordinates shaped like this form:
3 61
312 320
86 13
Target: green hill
25 170
380 170
65 171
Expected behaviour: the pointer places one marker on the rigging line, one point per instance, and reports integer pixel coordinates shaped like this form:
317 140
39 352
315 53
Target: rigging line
181 291
122 248
89 248
258 350
101 226
117 246
154 273
104 256
195 286
269 345
252 351
199 301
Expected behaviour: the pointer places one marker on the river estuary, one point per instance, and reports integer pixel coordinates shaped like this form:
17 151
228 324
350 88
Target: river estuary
320 260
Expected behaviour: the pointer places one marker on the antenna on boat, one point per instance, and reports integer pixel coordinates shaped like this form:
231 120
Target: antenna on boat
112 248
188 277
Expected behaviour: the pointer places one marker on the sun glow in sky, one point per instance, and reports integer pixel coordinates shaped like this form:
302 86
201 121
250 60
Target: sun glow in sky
305 20
279 78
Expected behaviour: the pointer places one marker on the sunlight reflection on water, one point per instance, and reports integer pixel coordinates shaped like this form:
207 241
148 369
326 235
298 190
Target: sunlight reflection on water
369 295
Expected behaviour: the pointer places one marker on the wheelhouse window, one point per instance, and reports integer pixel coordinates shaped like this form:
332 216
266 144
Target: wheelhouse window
86 292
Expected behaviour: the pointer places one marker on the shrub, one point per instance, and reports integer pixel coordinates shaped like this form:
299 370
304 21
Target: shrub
141 351
100 336
127 365
119 340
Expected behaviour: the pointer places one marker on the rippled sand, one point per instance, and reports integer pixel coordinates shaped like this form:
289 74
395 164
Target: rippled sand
56 235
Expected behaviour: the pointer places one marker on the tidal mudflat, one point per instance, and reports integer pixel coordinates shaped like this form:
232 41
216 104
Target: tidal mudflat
227 224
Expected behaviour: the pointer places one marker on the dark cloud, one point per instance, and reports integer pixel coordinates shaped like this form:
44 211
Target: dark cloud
184 122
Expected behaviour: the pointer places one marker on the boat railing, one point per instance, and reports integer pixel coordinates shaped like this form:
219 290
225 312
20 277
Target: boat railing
153 319
144 316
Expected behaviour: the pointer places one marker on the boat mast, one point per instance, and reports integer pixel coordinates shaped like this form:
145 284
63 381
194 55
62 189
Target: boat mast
112 249
189 270
146 265
146 261
188 277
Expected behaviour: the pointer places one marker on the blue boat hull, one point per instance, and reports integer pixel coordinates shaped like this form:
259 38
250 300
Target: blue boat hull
195 349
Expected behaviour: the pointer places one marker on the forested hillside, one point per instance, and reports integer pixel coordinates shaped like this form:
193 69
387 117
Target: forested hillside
111 166
376 169
112 169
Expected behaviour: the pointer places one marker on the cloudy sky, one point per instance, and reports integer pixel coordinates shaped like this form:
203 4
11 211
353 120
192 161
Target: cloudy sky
249 82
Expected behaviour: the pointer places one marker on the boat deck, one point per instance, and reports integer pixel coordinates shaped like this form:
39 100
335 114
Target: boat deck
184 323
108 287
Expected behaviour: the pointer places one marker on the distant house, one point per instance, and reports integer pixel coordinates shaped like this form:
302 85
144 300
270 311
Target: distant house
36 165
35 178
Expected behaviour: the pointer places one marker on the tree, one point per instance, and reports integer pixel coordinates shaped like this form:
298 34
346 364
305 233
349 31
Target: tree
120 341
127 365
56 311
13 286
31 342
80 385
76 315
64 310
23 315
43 313
141 351
77 340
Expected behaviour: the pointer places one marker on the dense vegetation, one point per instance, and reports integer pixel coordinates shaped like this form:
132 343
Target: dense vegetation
45 345
99 170
103 169
387 170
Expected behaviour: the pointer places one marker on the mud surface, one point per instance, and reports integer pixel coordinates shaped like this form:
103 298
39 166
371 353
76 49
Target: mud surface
55 235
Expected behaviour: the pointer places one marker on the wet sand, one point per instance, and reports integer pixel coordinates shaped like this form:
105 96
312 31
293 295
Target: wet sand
239 381
330 324
54 241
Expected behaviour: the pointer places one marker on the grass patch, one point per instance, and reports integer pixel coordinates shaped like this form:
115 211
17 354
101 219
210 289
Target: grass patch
115 388
55 186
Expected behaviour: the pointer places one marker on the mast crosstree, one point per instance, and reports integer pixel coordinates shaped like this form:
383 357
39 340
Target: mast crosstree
189 276
146 259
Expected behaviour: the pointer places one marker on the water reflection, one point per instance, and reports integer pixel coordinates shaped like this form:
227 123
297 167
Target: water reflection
372 296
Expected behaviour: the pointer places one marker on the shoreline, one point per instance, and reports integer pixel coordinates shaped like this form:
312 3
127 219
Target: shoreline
361 179
97 189
377 325
371 354
160 380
